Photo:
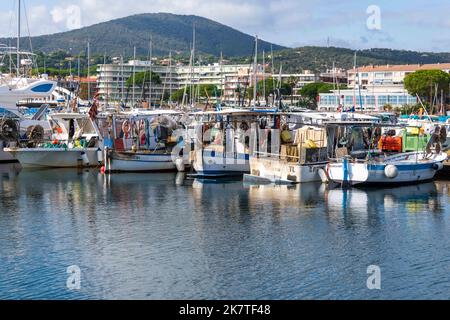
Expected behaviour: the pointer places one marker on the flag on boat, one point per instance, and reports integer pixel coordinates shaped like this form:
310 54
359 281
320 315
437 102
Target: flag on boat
93 111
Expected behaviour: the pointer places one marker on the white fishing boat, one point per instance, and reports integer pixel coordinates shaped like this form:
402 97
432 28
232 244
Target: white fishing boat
73 141
225 140
143 141
400 169
361 158
302 152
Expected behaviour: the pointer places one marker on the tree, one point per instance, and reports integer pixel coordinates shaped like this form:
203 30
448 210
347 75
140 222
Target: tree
145 76
425 84
312 90
292 82
271 88
204 90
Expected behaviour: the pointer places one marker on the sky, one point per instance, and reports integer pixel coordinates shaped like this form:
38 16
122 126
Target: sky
401 24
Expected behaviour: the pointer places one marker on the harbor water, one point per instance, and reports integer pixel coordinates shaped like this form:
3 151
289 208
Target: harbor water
162 236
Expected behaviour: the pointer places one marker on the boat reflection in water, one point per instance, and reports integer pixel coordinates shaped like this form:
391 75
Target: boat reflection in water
278 200
10 170
364 203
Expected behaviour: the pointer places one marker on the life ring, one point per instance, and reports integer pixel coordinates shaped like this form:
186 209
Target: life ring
126 128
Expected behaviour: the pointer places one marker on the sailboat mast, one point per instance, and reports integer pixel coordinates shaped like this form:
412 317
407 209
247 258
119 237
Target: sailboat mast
89 71
18 38
193 67
170 77
151 73
255 66
222 79
354 88
264 75
122 83
134 76
107 81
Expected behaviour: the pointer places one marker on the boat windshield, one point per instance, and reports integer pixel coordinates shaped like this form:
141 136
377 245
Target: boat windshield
4 113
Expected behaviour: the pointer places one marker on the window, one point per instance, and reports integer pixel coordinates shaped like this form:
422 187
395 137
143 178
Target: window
348 100
382 100
370 100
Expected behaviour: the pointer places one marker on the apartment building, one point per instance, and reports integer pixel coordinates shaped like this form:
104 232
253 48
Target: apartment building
388 75
232 80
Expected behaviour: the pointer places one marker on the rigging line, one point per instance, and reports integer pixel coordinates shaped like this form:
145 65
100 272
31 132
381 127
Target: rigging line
246 83
11 22
29 34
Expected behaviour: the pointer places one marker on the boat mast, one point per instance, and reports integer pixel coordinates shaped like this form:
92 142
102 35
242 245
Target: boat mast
18 39
122 82
192 94
255 66
170 78
151 73
134 76
264 75
354 87
89 71
107 80
222 80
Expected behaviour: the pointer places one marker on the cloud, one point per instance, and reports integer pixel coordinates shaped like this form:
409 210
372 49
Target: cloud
287 22
70 16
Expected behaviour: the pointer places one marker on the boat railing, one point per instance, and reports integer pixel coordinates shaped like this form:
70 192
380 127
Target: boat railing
286 157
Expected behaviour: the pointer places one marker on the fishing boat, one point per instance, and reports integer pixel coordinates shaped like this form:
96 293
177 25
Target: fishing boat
374 154
226 139
68 140
143 141
302 151
299 156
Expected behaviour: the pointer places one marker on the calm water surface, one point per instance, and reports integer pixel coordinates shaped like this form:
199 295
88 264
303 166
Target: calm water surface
144 236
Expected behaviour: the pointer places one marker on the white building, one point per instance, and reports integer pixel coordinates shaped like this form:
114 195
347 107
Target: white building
232 80
388 75
112 79
374 87
302 79
365 100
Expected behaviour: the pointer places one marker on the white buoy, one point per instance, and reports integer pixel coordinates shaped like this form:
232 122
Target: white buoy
438 166
99 155
391 171
85 159
179 162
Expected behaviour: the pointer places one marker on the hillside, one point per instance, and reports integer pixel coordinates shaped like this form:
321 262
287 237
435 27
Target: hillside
168 31
321 58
